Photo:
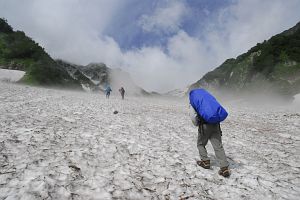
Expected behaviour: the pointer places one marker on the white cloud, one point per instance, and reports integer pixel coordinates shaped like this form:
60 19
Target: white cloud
165 19
185 60
67 29
242 25
186 49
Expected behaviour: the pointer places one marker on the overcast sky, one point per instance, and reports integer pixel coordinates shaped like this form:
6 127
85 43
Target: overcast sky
163 44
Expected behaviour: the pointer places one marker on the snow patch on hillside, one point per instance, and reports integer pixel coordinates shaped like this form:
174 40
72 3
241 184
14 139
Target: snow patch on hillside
297 99
7 75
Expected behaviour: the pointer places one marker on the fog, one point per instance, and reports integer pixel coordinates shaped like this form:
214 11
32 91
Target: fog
260 100
119 78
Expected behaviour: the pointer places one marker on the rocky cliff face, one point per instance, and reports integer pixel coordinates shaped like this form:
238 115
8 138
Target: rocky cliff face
98 73
75 72
271 67
96 76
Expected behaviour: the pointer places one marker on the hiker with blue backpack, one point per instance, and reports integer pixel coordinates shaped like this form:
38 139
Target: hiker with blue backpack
207 113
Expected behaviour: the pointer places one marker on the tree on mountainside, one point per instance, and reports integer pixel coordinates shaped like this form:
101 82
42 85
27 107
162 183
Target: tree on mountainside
283 57
4 26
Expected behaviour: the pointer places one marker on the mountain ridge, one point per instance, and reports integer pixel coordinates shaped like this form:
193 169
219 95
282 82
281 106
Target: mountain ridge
270 67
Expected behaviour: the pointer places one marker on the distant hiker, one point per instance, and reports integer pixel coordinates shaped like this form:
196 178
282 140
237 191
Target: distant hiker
122 91
107 91
207 113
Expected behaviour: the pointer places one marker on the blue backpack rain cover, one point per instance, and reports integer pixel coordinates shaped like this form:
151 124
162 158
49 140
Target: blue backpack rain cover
207 106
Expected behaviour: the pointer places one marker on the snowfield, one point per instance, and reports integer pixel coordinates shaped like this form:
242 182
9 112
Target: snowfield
57 144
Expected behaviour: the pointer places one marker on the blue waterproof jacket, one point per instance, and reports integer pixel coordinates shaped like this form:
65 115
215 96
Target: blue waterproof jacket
108 90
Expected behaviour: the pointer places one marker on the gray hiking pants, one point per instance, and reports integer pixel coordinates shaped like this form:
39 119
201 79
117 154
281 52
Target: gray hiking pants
213 133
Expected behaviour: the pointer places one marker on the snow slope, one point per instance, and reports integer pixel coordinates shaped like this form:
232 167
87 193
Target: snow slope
58 144
10 75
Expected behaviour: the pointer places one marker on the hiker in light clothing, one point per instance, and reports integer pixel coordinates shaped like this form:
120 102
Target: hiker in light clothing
213 133
107 92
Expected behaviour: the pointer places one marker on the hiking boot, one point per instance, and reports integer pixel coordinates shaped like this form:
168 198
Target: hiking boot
224 171
204 163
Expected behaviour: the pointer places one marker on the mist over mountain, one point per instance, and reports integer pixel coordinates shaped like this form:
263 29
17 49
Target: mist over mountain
19 52
271 68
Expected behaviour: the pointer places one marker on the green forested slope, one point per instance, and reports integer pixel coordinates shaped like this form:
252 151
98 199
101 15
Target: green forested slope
272 66
17 51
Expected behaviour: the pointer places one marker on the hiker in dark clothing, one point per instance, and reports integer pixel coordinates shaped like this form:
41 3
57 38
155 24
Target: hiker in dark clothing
213 133
107 92
122 91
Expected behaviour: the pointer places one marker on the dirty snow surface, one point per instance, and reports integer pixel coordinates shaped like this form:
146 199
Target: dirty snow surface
57 144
